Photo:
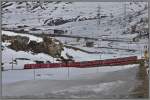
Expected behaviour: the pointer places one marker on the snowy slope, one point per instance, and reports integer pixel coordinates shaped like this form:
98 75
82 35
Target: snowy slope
32 15
108 84
29 15
31 37
80 20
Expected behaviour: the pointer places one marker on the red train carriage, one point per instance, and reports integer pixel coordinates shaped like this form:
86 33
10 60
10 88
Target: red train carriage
86 64
73 64
62 64
94 63
83 64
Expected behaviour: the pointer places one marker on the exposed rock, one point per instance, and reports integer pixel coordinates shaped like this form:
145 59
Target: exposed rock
49 46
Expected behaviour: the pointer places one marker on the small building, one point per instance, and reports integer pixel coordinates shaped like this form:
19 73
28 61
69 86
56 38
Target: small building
39 62
57 31
48 31
89 43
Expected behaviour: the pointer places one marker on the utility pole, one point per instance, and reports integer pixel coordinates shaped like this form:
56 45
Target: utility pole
98 16
12 64
98 25
67 63
125 14
68 69
99 55
40 4
34 72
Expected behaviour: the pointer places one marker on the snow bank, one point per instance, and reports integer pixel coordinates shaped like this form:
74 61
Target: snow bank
31 37
9 54
59 73
116 83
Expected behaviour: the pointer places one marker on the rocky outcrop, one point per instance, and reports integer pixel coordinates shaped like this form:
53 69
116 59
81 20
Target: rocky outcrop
49 46
60 21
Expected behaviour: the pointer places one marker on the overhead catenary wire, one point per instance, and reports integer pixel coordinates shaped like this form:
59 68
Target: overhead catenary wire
98 16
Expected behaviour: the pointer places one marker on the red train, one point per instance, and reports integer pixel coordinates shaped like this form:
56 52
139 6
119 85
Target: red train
86 64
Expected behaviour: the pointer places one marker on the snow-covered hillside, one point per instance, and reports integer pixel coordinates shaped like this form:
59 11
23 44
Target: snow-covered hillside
73 16
78 18
120 23
115 29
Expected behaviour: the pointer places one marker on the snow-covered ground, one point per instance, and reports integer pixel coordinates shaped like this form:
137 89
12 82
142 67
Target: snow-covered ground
8 54
98 82
111 82
12 76
31 37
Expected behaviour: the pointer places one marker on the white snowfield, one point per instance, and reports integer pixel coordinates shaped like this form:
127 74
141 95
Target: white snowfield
105 83
12 76
31 37
99 82
9 55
